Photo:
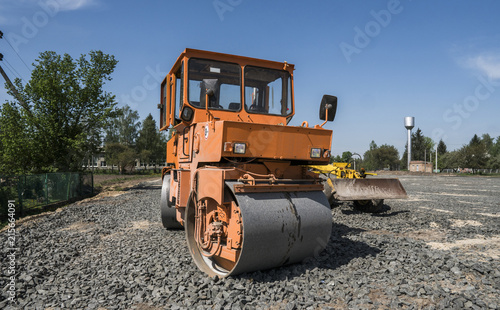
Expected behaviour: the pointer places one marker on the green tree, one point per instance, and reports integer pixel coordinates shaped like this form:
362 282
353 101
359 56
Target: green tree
488 142
150 142
494 162
450 160
441 148
419 145
369 161
124 128
65 107
475 154
335 159
346 157
16 145
377 158
495 150
121 155
475 141
430 147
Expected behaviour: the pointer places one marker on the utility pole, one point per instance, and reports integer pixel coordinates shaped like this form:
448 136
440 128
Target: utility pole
13 88
436 158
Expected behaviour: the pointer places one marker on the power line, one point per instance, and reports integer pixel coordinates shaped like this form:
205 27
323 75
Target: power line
10 70
1 36
13 70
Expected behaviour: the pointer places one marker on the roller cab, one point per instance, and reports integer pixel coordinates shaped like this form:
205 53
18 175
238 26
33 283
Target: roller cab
236 178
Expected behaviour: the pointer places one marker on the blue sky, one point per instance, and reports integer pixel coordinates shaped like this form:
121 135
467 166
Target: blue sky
436 61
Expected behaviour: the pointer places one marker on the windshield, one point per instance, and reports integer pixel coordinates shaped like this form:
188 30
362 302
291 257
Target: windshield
268 91
221 77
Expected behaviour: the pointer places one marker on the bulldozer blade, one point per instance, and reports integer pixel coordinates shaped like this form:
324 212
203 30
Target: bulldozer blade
365 189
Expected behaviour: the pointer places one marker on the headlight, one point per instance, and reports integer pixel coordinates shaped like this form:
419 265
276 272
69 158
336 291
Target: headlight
239 148
187 114
315 153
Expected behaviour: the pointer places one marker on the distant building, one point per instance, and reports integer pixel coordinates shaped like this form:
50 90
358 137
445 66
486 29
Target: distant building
420 166
100 163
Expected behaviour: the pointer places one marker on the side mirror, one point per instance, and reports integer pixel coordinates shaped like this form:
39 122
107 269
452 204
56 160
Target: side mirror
328 103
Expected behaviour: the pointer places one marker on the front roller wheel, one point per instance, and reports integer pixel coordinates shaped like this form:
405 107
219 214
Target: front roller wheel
370 206
257 231
168 211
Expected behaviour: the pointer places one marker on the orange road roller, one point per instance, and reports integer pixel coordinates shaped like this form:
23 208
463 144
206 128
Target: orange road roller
237 178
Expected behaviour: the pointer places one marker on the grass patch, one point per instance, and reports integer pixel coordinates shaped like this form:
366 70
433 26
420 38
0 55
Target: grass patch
120 179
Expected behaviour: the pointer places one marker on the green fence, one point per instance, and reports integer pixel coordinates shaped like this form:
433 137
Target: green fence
33 192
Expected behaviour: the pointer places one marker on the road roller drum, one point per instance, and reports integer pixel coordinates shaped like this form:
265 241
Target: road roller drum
257 231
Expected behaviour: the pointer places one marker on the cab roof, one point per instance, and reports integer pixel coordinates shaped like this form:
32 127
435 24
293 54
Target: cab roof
241 60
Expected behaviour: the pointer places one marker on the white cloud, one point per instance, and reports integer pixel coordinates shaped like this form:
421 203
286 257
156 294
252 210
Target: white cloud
71 5
488 64
62 5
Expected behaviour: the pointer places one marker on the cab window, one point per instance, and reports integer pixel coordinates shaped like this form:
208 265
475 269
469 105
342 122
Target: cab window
179 85
221 77
268 91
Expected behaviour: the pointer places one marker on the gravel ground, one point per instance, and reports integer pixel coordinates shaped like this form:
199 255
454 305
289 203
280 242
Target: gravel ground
438 249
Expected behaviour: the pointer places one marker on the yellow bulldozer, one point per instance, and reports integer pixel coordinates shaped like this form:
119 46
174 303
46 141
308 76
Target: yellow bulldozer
367 194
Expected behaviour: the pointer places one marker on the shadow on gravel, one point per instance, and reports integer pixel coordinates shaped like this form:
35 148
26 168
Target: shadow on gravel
384 212
339 251
390 214
145 186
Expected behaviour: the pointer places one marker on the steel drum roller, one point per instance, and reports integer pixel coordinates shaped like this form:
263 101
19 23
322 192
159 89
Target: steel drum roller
278 228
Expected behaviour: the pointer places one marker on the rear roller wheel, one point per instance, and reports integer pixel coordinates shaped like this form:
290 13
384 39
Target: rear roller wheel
370 206
168 211
257 231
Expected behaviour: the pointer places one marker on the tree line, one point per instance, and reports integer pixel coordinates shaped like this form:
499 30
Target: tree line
482 152
63 116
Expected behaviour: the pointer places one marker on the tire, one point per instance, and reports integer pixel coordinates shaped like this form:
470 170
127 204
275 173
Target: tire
168 212
369 206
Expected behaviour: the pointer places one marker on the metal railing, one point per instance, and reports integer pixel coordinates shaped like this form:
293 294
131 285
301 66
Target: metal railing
31 192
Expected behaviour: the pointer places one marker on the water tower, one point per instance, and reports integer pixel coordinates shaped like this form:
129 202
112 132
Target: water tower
409 124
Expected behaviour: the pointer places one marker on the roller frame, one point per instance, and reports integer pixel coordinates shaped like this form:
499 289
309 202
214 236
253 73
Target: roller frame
279 228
